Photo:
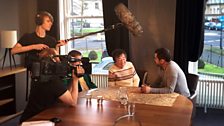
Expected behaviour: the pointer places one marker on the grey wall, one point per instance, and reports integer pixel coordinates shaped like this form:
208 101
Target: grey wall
16 15
157 17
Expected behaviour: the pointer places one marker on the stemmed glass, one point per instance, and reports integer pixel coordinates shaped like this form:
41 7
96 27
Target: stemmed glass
129 118
123 96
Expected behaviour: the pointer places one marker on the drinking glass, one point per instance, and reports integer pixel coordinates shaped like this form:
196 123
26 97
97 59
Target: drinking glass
123 97
99 99
131 108
88 97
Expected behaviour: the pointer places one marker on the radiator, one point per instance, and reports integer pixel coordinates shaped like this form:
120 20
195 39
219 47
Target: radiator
100 80
210 94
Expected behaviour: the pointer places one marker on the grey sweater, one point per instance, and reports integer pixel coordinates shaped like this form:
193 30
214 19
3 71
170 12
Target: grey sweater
173 80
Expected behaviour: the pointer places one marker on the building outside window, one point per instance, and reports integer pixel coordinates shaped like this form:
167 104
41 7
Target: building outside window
96 5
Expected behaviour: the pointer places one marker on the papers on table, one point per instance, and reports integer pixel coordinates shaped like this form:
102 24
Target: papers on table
38 123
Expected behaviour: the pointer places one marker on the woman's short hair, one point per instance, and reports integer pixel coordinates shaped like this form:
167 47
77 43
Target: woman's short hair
117 52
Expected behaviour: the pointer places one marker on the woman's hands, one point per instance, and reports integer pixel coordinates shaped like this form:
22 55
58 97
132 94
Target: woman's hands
112 75
145 88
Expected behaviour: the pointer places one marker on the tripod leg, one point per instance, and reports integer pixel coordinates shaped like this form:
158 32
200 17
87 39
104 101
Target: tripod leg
13 58
10 59
27 85
4 58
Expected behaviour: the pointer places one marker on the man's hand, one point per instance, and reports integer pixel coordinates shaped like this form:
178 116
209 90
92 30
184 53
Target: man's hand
61 43
40 46
145 88
74 77
79 70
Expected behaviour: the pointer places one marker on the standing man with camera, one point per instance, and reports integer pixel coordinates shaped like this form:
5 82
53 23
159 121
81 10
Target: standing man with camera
45 93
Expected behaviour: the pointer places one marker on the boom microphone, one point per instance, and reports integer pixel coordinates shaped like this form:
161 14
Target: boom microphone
128 19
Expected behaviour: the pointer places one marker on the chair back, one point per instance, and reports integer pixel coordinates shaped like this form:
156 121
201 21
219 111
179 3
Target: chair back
142 75
87 65
192 82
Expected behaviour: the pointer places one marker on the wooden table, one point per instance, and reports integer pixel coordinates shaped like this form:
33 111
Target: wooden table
92 114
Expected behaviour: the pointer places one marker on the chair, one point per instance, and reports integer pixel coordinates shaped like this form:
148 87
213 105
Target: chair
87 65
142 75
192 81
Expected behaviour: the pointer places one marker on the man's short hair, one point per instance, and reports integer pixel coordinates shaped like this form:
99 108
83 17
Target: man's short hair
47 52
74 53
39 18
117 52
163 53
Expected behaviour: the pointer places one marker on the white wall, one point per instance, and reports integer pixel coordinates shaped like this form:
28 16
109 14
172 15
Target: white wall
157 17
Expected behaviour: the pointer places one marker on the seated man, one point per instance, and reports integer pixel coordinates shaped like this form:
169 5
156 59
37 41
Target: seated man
84 82
45 93
173 80
122 73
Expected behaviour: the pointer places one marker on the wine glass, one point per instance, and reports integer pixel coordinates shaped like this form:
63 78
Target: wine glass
123 96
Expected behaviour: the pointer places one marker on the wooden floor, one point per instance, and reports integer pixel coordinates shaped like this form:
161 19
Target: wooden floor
213 117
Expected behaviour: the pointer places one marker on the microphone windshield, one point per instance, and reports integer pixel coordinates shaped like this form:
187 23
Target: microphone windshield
128 19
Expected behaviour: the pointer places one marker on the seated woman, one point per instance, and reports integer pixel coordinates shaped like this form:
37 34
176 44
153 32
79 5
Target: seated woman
84 82
122 73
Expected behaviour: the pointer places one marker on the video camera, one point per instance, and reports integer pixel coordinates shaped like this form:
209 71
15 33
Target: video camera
46 68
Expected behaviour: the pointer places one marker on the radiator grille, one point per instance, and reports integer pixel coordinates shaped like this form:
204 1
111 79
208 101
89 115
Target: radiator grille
210 94
100 80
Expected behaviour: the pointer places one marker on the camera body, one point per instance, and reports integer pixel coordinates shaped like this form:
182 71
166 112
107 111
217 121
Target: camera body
44 69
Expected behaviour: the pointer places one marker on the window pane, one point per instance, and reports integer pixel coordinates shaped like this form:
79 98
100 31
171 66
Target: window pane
85 26
84 18
86 8
211 63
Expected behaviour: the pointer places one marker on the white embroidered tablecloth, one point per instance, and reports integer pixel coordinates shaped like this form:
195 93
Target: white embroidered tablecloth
134 95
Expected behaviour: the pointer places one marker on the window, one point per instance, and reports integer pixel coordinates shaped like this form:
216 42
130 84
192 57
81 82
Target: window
212 59
210 66
78 18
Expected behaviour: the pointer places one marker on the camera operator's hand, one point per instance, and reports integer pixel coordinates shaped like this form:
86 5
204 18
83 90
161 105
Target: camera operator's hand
74 77
79 71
